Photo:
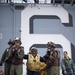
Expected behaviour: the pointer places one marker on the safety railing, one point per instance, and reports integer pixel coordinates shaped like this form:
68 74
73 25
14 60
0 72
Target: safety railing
62 2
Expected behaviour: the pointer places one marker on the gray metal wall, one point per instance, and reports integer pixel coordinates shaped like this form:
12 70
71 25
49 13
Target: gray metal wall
9 25
10 22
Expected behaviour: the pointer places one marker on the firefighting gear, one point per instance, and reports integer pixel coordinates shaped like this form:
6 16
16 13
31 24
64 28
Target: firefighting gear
53 59
17 55
18 40
48 52
55 70
51 44
11 42
16 70
34 50
53 64
34 55
33 63
6 58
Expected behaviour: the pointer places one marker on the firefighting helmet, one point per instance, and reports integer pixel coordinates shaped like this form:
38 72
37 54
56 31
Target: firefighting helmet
34 50
18 40
51 44
11 42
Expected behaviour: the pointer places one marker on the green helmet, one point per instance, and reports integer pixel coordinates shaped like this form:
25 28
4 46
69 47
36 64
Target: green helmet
51 44
33 50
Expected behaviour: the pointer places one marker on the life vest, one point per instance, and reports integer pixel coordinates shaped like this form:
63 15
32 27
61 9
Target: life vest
33 63
15 58
56 60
